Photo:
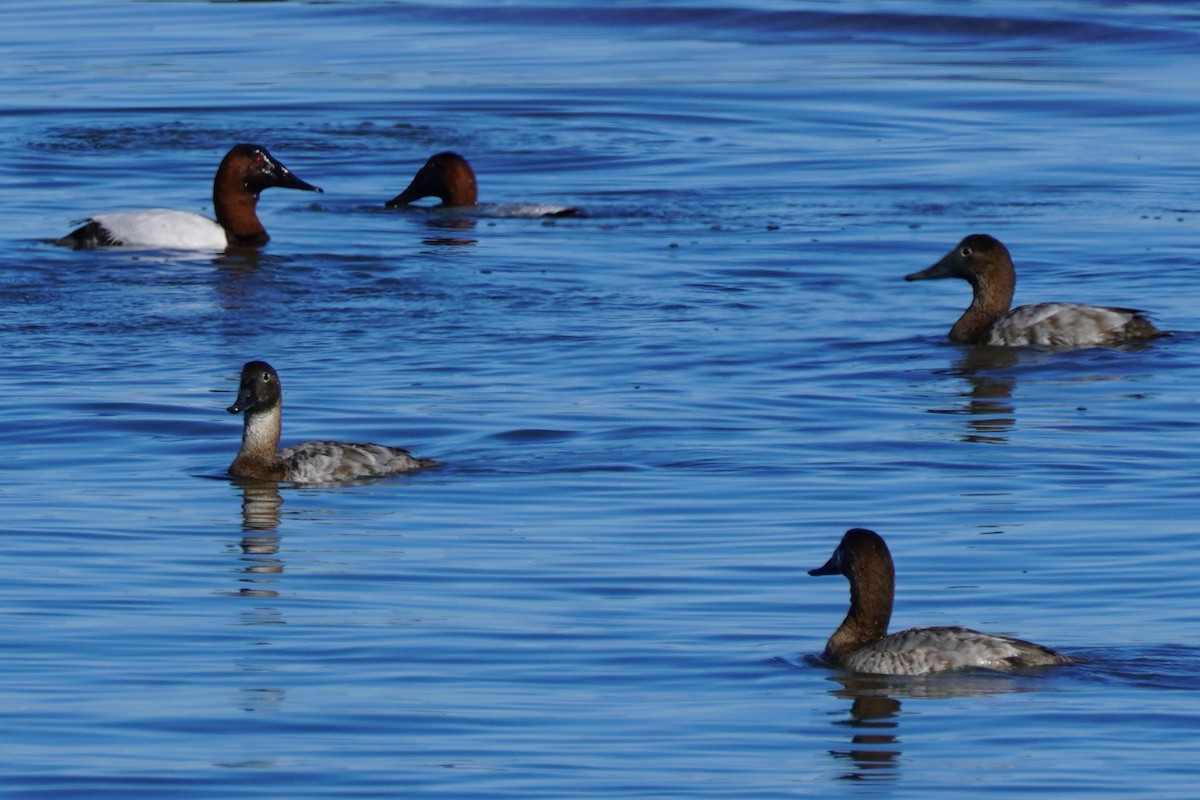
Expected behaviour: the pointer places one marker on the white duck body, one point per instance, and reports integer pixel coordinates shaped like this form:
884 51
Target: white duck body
162 228
242 175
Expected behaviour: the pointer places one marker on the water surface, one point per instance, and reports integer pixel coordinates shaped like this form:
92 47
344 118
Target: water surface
654 419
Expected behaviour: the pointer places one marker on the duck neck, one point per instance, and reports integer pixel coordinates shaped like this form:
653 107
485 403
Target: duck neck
259 455
992 297
235 206
872 588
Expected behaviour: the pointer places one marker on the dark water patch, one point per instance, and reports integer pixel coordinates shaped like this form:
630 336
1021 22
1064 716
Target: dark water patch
532 436
780 27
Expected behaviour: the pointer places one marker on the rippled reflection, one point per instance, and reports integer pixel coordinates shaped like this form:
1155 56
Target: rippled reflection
874 747
260 506
238 261
450 222
987 401
874 716
260 517
448 241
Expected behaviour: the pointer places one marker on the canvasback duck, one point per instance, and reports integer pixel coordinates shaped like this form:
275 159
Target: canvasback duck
984 262
260 399
245 171
448 177
862 644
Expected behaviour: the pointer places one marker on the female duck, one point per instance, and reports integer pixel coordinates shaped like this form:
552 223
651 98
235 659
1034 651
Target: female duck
984 262
448 177
862 643
260 398
245 171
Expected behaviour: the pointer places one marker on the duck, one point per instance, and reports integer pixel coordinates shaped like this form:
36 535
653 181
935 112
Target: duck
260 401
862 644
244 172
449 177
984 262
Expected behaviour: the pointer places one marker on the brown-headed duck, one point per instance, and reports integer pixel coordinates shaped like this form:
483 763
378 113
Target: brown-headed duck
448 177
985 263
245 171
862 644
260 399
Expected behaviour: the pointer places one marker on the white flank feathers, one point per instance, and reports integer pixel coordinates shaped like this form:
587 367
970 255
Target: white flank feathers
163 228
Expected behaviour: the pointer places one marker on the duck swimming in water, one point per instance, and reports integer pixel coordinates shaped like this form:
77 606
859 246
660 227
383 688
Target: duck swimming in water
260 400
245 171
448 177
862 644
985 263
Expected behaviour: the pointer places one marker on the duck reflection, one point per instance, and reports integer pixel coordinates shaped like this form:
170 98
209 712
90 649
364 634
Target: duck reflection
447 241
987 402
449 229
261 503
874 746
238 261
875 717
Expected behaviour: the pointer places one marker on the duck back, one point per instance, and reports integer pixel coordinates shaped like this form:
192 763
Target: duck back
1069 325
922 651
323 462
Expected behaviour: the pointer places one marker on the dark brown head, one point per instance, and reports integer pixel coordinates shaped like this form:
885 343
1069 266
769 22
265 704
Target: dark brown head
864 559
446 176
245 171
983 262
979 259
259 389
859 549
254 169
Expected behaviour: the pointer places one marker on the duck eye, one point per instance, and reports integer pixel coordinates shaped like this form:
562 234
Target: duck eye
966 252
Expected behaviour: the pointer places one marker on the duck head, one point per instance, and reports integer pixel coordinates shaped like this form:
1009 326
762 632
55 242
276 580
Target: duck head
256 169
978 259
258 390
446 176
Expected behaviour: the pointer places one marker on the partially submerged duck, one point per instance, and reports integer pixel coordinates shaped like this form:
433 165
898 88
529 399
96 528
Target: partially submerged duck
260 400
245 171
985 263
862 644
448 177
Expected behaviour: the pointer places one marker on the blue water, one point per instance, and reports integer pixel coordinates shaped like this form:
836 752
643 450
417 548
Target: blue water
654 419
